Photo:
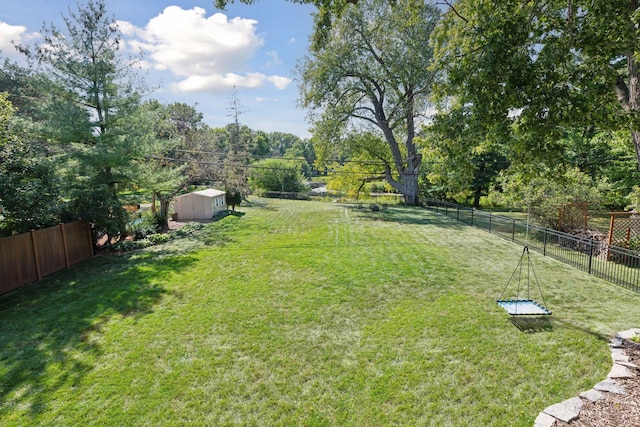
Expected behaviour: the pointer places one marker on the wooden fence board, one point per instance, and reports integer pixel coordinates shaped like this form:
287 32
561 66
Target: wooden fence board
17 262
79 242
49 249
28 257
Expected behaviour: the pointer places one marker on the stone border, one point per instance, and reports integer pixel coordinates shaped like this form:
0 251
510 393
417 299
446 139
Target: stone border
570 409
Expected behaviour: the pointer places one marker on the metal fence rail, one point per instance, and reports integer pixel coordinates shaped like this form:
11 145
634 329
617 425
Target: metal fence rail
612 263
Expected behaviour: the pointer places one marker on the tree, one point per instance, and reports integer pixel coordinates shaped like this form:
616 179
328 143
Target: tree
84 63
234 198
358 163
543 197
278 175
541 70
303 151
375 71
328 12
29 188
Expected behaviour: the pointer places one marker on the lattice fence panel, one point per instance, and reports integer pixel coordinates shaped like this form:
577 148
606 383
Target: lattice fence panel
624 230
573 216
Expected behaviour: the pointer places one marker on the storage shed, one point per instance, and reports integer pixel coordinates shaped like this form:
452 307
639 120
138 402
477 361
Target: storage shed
202 204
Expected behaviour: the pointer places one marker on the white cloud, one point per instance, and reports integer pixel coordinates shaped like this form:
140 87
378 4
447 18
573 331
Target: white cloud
12 33
208 53
280 82
274 58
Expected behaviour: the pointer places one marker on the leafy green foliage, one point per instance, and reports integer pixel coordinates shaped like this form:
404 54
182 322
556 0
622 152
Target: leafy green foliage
277 175
531 74
97 99
30 190
155 238
234 198
543 197
374 72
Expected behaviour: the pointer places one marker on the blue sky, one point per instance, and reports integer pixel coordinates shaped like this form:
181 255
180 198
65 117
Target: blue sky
196 54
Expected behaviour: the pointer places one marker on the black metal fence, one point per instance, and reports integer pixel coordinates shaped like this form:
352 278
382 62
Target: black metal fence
612 263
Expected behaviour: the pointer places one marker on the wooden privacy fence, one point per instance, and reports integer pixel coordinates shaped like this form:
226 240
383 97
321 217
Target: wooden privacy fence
31 256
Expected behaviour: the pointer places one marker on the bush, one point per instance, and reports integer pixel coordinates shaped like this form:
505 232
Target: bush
277 175
142 227
156 238
544 196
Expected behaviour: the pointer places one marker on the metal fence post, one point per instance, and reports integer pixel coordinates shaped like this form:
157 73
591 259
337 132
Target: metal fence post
472 216
513 231
544 247
590 254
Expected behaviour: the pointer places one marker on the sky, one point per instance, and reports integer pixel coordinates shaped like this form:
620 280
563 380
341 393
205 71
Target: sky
196 54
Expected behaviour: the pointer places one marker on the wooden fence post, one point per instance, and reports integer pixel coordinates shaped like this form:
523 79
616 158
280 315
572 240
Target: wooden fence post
65 246
612 222
36 258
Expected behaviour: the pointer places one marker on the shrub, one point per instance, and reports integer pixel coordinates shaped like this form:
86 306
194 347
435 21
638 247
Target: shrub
157 239
142 227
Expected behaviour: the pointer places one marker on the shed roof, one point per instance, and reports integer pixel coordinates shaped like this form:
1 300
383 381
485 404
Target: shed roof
209 192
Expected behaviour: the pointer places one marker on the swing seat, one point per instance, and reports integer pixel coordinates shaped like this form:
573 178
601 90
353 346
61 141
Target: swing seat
524 307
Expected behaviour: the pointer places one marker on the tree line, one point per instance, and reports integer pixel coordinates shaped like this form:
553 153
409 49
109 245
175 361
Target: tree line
522 101
77 135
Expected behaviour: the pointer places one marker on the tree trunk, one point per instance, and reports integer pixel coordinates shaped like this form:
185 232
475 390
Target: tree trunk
164 210
476 198
410 189
636 142
633 100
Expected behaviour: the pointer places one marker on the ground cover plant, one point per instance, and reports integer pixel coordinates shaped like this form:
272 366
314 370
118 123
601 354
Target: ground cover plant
304 313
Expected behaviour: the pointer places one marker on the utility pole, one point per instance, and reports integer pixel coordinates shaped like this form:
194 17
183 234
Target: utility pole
235 110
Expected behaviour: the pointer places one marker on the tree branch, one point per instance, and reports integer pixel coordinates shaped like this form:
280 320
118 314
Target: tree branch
453 9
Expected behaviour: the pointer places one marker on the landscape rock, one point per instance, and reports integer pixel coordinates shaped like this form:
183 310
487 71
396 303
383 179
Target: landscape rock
616 343
628 334
592 395
619 371
619 355
610 386
544 420
565 411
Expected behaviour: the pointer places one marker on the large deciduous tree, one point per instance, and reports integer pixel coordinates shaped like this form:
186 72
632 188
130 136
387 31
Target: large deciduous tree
539 70
375 72
182 153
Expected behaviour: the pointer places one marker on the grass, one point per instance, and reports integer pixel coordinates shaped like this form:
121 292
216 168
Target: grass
304 313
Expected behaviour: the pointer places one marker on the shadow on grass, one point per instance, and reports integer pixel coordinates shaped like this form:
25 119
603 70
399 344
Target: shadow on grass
531 324
571 325
411 215
259 204
48 329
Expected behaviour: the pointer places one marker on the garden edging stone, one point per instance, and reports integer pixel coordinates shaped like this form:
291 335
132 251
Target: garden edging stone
570 408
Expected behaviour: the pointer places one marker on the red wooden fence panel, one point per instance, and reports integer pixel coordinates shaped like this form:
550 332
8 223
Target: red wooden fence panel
17 262
79 242
28 257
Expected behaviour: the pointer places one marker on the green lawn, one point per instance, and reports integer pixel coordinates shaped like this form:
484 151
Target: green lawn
304 313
